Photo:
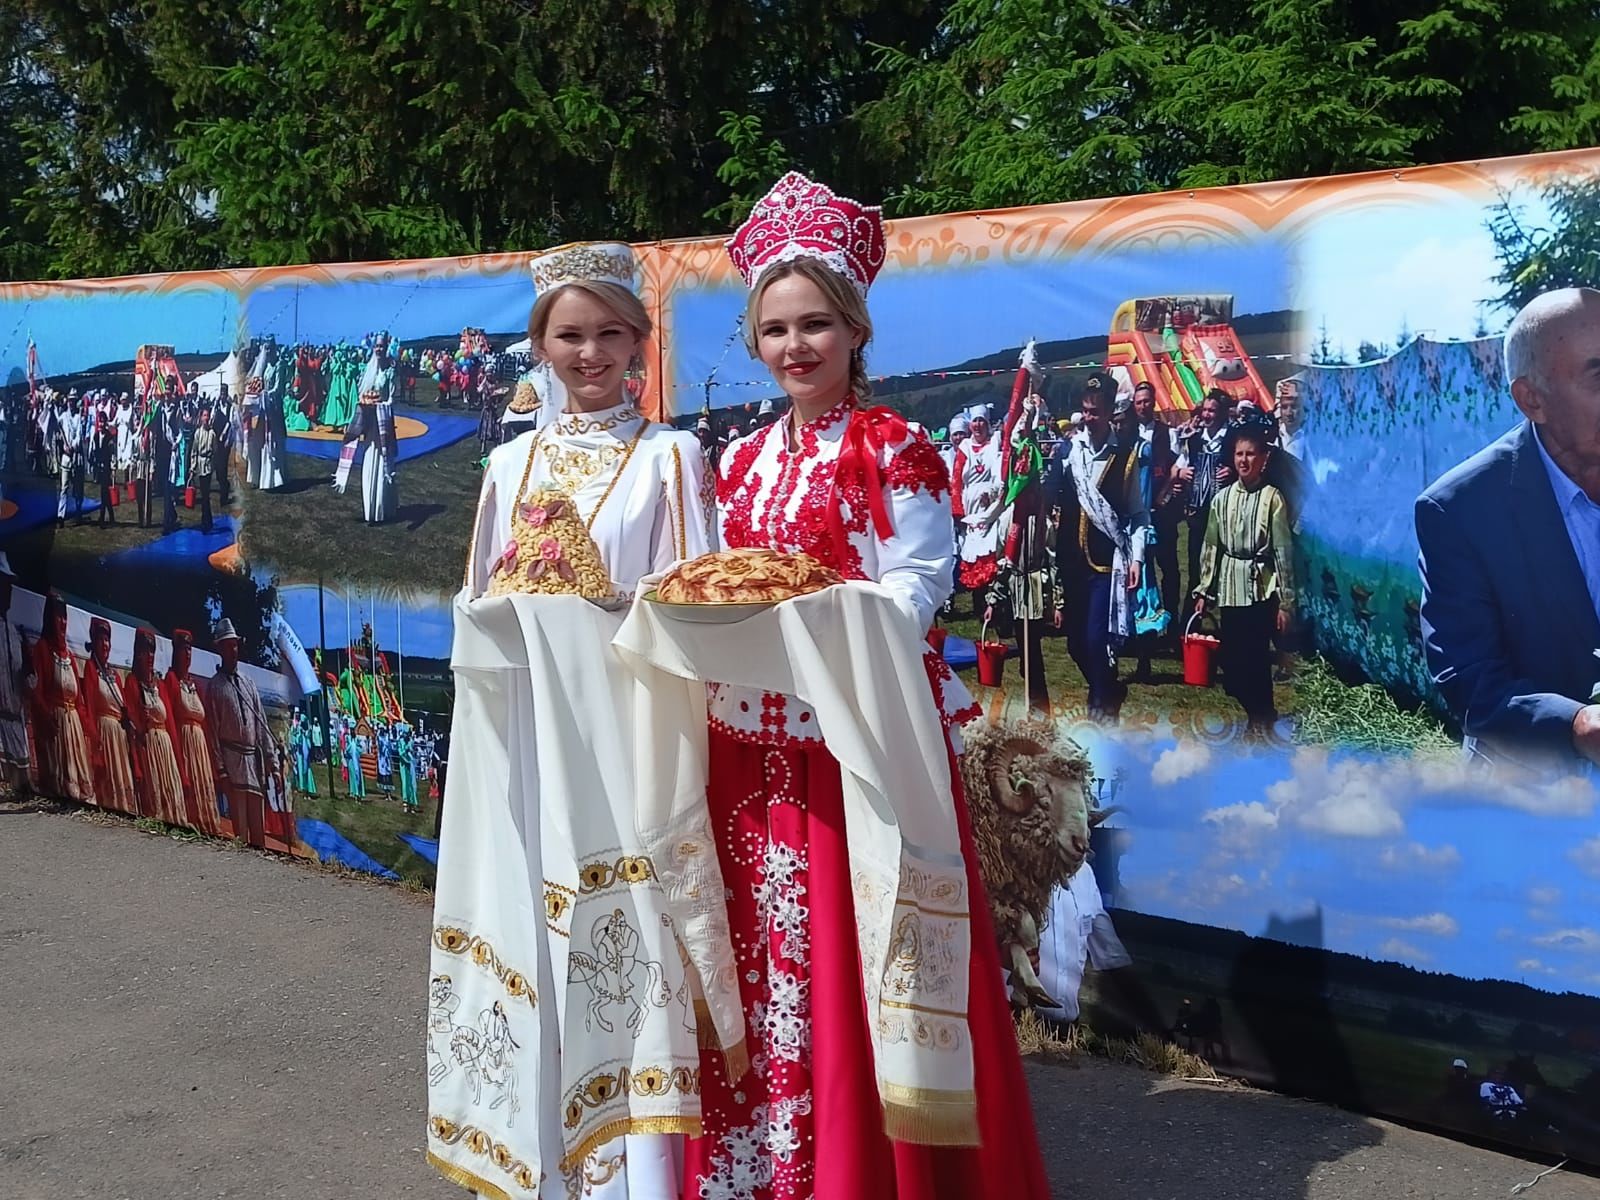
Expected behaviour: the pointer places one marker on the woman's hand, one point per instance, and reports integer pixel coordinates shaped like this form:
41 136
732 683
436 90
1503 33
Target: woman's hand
1200 605
1283 622
1135 575
988 613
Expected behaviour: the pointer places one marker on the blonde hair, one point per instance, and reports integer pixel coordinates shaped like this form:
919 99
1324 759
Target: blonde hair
624 304
838 291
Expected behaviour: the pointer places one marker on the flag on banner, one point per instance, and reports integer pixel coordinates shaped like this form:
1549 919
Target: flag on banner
33 367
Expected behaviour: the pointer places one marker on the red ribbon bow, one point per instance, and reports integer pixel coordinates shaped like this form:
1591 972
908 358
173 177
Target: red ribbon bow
871 431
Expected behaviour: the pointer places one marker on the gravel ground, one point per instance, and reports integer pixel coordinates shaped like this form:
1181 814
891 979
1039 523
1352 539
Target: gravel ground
191 1020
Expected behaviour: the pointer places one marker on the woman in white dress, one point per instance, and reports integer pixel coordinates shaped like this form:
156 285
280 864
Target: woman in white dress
372 428
572 515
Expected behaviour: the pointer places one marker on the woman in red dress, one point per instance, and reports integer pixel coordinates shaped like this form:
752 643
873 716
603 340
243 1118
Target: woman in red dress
865 492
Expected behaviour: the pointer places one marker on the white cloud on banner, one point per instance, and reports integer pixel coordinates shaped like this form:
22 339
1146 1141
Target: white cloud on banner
1544 896
1183 761
1532 966
1346 796
1436 924
1402 951
1587 857
1583 941
1414 856
1252 815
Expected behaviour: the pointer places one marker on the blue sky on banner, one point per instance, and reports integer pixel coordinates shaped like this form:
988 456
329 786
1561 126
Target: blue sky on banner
1427 265
932 317
1418 861
419 626
79 329
408 307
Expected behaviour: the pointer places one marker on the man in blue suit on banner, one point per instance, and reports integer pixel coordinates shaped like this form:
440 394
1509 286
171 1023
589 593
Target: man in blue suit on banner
1511 552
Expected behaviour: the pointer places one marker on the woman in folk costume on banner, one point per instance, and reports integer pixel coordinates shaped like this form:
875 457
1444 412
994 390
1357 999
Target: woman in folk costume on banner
109 725
64 763
979 481
543 881
182 698
155 735
372 430
822 1110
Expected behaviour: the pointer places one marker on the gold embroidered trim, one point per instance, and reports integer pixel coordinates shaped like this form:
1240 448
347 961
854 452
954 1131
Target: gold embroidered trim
465 1178
603 1087
923 1008
934 1119
458 941
481 1143
557 900
576 423
581 262
575 1157
630 868
677 484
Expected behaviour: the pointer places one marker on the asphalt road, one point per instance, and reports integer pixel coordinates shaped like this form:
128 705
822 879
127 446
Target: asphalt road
190 1020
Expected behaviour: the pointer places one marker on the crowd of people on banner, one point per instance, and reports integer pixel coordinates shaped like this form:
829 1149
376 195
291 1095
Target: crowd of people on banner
165 448
1071 525
401 760
146 460
171 746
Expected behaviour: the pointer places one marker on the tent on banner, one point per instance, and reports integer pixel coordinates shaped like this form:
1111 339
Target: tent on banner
229 371
525 346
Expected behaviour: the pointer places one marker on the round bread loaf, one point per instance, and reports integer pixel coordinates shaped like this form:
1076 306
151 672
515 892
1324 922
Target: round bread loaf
750 576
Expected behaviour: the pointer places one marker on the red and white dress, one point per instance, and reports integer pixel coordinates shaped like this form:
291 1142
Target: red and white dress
980 492
806 1121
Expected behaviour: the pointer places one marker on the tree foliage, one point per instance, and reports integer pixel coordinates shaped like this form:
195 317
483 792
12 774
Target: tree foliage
161 134
1536 257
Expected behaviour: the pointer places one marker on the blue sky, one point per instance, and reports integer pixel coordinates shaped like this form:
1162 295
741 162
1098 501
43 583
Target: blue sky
423 629
1427 263
406 307
1421 862
931 317
77 329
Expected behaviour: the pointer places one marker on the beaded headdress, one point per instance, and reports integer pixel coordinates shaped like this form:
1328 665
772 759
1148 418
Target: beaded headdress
800 218
605 262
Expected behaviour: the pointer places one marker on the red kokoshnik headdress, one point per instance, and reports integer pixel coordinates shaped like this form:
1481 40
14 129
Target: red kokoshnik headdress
800 218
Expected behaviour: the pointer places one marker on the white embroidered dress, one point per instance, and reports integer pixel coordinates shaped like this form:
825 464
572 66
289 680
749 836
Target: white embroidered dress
976 479
563 1051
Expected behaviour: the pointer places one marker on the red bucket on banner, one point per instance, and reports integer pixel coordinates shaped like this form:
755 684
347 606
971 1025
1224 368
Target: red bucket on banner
188 496
116 496
991 659
1199 656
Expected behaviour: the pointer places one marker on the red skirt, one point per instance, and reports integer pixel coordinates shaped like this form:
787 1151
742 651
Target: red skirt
805 1121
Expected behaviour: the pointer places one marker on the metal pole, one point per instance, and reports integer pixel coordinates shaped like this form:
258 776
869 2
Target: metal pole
400 657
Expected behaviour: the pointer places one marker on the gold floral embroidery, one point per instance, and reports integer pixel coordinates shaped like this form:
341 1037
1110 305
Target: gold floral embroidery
582 423
602 1088
581 262
452 940
630 868
557 901
483 1145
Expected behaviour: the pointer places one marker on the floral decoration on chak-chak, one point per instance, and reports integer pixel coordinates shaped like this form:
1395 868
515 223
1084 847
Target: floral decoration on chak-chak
550 552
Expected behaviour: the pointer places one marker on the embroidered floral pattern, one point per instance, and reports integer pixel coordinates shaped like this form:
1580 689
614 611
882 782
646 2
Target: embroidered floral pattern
762 1135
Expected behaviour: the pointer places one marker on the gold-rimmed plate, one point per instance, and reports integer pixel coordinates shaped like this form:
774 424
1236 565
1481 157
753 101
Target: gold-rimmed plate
709 614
